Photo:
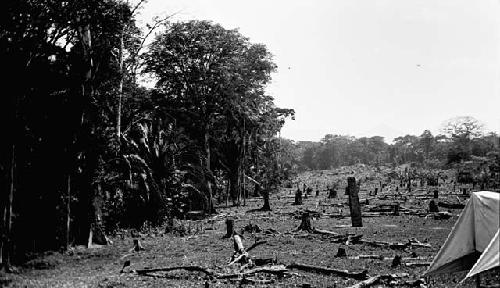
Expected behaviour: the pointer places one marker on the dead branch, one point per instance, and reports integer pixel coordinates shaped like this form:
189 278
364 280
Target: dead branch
329 271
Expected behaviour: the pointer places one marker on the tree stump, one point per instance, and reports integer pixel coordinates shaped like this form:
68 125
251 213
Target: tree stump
436 194
298 197
309 191
332 193
376 191
305 224
396 210
433 208
396 261
229 228
265 196
137 245
354 206
341 252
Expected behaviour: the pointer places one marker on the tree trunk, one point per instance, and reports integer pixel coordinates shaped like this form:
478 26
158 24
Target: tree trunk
234 185
68 211
206 144
7 244
91 194
120 91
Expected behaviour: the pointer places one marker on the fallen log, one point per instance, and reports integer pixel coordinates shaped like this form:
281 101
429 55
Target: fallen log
417 264
206 271
248 280
275 270
416 243
441 215
392 245
378 257
278 270
329 271
377 279
451 205
396 245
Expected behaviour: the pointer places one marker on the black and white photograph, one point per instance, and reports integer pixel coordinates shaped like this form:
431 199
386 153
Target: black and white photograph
238 143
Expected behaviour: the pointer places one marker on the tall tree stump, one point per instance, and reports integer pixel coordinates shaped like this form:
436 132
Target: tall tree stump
436 194
298 197
229 228
305 224
376 191
354 206
265 196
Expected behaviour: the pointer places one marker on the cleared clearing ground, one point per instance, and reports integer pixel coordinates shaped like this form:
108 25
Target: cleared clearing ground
100 267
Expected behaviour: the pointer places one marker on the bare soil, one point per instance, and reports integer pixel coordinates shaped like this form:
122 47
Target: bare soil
205 246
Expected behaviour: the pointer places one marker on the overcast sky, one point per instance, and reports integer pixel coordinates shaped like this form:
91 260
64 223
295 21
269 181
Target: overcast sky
368 67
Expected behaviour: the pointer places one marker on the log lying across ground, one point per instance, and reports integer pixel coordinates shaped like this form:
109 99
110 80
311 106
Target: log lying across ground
329 271
275 270
451 205
396 245
377 279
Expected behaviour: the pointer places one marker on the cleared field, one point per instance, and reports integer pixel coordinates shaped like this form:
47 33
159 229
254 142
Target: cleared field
205 246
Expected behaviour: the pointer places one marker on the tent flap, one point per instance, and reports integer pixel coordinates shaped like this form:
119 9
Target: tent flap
471 235
489 258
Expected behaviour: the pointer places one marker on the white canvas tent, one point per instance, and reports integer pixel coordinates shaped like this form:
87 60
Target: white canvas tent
473 242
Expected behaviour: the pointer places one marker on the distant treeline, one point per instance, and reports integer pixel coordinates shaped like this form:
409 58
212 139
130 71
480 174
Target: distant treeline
458 143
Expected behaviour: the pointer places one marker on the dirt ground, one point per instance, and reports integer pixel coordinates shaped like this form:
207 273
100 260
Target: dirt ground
205 245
